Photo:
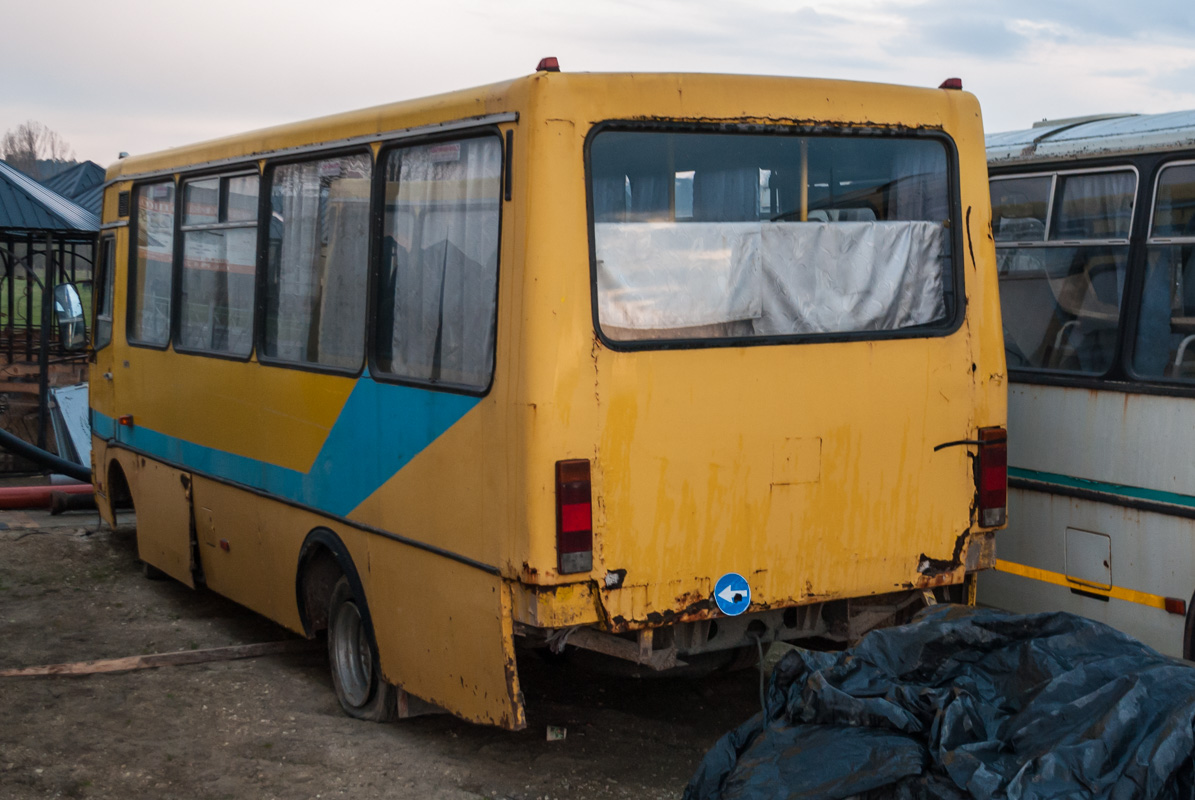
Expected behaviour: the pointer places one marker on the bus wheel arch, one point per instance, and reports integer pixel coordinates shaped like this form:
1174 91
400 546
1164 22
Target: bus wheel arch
120 498
332 599
120 495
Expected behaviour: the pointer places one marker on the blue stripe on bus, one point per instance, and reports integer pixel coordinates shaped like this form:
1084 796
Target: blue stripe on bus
101 425
381 428
1120 490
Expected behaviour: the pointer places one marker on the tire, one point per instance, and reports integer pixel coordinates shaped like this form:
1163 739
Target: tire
353 657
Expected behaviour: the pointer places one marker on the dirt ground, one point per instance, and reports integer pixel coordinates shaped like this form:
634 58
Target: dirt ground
270 727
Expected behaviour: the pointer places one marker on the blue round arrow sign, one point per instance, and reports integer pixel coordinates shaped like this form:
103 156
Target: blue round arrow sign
732 594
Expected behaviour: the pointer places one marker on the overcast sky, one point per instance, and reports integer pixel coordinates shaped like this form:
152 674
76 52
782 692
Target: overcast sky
142 75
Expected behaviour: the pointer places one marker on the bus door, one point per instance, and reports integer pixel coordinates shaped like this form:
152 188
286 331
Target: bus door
100 389
100 398
161 494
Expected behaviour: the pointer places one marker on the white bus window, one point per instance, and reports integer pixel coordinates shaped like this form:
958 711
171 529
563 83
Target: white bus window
1094 207
151 270
1019 208
437 301
201 202
1165 342
705 236
1062 251
317 262
219 265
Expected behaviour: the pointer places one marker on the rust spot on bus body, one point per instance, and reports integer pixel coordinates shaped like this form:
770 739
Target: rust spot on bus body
933 568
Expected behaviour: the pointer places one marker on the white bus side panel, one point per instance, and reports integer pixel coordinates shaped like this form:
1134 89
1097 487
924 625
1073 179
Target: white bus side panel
1136 440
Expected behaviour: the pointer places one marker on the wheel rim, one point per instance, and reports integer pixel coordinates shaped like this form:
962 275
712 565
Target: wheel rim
352 654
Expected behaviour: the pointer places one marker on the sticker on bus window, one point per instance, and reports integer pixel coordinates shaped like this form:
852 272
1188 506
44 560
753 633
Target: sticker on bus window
329 169
444 152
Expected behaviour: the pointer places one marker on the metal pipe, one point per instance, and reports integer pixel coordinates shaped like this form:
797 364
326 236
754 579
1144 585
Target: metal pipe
43 357
37 496
29 299
17 445
11 276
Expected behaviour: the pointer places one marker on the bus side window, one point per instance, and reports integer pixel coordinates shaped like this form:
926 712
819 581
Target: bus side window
437 297
151 265
219 229
1061 288
104 285
1165 341
317 262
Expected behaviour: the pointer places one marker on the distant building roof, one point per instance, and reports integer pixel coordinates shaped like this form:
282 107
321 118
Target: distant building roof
82 184
26 205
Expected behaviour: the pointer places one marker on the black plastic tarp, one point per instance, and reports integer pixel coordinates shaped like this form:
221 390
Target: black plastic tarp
966 703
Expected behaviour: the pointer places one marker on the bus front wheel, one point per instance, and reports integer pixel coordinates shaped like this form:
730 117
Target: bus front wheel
353 656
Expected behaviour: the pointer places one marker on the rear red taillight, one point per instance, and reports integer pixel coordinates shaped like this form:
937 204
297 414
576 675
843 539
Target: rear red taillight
993 476
574 517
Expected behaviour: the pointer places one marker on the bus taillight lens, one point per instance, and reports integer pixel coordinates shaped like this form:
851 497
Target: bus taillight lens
574 516
993 476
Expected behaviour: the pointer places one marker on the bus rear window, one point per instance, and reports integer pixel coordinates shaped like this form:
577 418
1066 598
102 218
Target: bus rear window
745 235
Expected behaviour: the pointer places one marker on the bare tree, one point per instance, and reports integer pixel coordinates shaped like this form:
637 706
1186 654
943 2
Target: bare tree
30 143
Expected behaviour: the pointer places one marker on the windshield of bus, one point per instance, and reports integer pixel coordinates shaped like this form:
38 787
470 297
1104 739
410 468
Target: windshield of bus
714 236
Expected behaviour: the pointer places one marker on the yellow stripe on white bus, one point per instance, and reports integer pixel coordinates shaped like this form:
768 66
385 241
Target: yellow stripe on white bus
1058 579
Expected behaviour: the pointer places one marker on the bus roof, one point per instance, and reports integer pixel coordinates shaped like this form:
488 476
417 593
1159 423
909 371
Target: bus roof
723 96
1070 140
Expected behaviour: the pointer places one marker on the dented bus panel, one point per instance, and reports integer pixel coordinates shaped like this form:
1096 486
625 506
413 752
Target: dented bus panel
588 344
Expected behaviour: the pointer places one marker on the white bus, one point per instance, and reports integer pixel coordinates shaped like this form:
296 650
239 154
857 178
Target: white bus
1094 224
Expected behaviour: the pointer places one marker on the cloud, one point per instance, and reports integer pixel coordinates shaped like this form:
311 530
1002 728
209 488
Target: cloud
1077 19
141 75
988 38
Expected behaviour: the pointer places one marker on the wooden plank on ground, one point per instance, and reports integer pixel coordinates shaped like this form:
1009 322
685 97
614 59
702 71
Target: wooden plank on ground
175 659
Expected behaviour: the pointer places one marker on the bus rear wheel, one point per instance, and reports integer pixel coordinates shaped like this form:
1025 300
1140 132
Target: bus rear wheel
353 655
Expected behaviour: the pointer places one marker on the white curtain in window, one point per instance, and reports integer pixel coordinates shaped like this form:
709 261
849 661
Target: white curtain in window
919 185
851 276
445 271
292 288
663 276
151 293
1097 205
787 278
319 259
342 272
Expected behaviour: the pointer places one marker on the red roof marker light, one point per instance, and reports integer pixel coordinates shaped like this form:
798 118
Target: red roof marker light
952 83
549 64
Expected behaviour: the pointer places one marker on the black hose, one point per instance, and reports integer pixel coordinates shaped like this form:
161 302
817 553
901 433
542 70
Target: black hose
22 448
763 696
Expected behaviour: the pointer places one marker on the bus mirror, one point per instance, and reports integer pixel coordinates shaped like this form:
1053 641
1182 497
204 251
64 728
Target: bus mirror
68 312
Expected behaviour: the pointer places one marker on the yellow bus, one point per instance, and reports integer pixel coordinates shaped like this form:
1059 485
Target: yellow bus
654 365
